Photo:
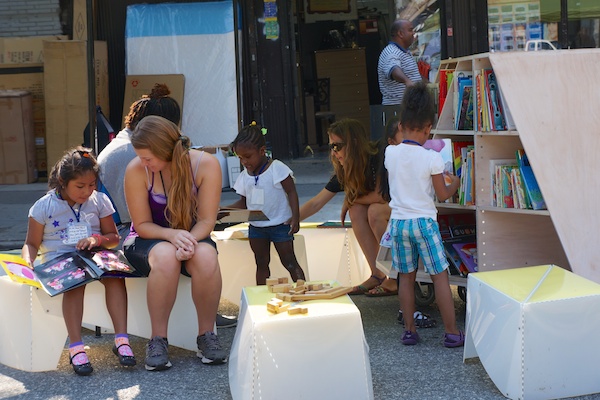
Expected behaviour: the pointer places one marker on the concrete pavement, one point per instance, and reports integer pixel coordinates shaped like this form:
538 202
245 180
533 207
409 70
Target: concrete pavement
425 371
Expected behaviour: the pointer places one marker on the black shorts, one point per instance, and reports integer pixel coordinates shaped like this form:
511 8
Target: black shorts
137 253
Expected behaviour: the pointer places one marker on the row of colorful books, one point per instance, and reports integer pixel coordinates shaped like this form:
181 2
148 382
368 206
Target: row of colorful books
513 184
477 101
459 160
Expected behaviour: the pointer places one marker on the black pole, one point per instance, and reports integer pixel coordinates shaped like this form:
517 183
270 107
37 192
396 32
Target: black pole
238 67
91 75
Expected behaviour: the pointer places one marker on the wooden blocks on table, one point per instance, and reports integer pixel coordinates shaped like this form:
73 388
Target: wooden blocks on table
323 294
297 310
285 291
276 306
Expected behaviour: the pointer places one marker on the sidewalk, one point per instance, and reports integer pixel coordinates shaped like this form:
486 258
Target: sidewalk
425 371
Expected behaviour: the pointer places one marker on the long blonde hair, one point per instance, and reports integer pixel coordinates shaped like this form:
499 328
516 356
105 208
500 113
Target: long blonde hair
165 141
358 175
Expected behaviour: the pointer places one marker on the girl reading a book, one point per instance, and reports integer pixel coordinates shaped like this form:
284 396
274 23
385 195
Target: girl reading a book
415 175
74 216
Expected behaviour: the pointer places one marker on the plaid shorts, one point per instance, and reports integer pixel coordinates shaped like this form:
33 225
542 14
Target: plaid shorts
414 238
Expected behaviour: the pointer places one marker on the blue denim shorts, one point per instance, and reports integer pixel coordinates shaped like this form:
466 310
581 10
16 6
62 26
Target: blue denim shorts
414 238
275 234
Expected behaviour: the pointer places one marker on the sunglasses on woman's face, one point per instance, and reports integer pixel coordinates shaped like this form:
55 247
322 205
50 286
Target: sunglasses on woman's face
336 146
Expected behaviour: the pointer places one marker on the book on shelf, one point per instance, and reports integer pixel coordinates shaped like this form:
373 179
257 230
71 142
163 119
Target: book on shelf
70 270
467 250
456 225
454 258
491 112
519 191
464 110
445 80
531 186
497 185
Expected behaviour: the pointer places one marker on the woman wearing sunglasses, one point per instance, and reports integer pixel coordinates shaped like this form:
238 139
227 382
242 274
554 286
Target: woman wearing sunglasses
358 167
356 162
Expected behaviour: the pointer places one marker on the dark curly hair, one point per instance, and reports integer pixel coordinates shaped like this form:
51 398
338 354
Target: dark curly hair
158 102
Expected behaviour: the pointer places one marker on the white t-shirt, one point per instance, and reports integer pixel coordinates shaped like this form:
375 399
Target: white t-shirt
410 168
56 214
266 193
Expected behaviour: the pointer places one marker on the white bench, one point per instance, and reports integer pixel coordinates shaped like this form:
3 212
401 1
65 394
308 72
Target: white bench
33 330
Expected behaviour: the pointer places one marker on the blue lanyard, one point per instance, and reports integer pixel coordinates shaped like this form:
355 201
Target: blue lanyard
260 172
412 142
78 213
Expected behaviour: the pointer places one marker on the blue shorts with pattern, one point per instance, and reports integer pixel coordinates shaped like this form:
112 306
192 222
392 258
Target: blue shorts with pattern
414 238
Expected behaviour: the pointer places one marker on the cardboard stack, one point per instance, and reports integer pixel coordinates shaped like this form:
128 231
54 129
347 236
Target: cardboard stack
17 149
23 66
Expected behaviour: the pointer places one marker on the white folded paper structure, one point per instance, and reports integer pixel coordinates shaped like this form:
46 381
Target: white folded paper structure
535 331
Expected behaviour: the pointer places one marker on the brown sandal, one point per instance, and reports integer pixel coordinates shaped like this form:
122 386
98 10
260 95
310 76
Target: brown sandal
362 289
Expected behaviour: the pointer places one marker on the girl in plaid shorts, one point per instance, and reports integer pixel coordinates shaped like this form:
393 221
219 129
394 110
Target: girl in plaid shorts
415 176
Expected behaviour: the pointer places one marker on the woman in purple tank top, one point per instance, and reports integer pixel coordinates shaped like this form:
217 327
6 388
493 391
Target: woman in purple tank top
173 195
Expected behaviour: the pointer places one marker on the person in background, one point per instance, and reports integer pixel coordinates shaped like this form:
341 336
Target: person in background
415 176
397 68
267 185
71 206
113 159
173 193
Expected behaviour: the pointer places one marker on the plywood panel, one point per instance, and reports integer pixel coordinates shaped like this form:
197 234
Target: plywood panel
554 98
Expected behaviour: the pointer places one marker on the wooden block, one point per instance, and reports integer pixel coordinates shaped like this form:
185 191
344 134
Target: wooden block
282 280
329 294
300 282
315 286
297 291
272 281
297 310
285 296
281 288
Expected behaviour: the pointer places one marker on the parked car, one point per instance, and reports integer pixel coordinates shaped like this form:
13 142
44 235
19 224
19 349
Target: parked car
535 45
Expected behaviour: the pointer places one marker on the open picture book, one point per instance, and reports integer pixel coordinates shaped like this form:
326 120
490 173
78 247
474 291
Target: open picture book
69 270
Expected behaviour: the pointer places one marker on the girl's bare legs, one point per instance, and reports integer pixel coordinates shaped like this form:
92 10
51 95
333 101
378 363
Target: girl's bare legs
162 286
262 255
115 295
206 285
406 296
367 241
378 217
445 301
288 259
72 308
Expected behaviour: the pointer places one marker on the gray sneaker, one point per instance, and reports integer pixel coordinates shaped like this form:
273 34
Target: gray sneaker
210 350
157 354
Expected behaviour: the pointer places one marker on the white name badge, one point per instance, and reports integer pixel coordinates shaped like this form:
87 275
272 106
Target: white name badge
76 232
258 196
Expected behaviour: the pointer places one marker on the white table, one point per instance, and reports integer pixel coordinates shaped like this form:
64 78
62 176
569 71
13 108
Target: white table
322 354
323 254
535 331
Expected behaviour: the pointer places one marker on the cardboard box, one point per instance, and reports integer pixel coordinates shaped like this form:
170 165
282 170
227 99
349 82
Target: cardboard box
66 93
28 77
138 85
17 149
24 50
